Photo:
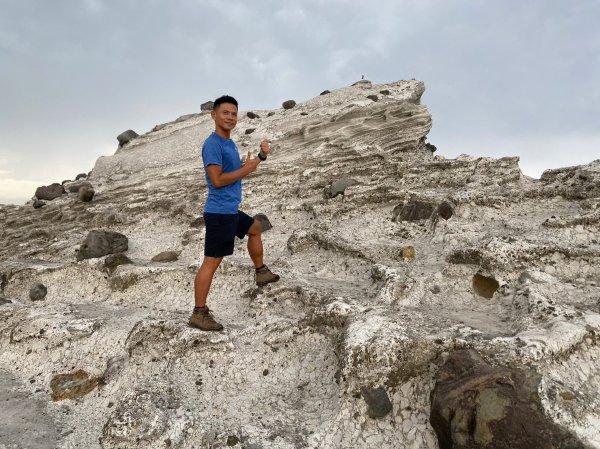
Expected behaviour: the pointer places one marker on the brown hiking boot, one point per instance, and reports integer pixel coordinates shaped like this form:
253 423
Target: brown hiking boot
203 319
263 276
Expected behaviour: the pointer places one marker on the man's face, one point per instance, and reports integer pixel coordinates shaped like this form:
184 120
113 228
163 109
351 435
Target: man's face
225 116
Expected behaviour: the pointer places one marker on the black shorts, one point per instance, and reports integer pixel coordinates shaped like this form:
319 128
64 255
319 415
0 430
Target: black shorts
221 230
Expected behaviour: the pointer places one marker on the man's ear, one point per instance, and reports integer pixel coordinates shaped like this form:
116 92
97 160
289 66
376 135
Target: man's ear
212 114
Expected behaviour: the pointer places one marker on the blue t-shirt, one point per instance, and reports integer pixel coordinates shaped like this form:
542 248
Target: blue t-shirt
220 151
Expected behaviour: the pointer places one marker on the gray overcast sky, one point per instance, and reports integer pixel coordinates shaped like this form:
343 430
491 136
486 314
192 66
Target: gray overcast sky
504 77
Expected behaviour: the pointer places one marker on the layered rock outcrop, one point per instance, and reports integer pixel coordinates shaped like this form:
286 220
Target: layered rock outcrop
383 278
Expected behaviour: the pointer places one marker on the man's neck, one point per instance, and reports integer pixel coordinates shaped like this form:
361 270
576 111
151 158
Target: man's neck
225 134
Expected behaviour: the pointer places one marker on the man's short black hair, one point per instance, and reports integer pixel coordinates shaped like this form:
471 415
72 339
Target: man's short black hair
224 99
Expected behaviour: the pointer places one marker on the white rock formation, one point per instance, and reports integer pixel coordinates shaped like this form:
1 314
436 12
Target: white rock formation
349 314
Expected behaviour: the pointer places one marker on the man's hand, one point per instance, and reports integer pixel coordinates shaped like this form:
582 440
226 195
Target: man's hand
251 162
265 147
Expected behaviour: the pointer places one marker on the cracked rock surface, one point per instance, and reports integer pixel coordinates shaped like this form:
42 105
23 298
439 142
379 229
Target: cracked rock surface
391 260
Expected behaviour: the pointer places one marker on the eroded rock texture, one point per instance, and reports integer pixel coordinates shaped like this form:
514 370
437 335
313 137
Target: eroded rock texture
391 259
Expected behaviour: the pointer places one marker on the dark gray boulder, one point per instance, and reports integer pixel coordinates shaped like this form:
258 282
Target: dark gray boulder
445 210
378 402
325 92
37 204
81 176
100 243
249 131
288 104
384 92
50 192
264 222
207 106
85 194
74 188
127 136
373 97
112 261
476 405
252 115
38 292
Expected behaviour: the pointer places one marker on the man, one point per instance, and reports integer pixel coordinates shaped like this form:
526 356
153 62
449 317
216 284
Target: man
223 221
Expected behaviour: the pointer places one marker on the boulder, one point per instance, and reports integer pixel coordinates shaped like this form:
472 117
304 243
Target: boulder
264 222
81 176
373 97
249 131
74 188
100 243
445 210
37 204
112 261
338 187
384 92
252 115
72 385
166 256
49 192
208 106
325 92
476 405
86 194
38 292
288 104
127 136
414 210
270 114
378 402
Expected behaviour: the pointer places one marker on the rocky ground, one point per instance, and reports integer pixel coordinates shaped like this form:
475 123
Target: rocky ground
401 271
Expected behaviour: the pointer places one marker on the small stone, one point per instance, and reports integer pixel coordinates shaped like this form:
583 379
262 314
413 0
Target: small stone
86 194
232 440
37 204
384 92
378 402
252 115
445 210
249 131
166 256
325 92
197 223
485 286
288 104
373 97
270 114
408 252
38 292
72 385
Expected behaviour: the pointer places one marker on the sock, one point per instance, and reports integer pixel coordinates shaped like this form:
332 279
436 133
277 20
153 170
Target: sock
199 309
261 267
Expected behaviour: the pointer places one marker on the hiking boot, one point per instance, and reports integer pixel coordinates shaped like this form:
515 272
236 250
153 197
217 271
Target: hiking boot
203 319
264 276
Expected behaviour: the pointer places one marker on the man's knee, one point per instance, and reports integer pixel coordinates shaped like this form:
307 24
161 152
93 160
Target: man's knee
211 263
255 229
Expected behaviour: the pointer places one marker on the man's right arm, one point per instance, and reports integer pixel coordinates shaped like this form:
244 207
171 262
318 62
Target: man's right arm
220 179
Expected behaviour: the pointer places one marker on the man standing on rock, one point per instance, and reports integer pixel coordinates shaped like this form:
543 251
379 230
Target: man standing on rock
223 220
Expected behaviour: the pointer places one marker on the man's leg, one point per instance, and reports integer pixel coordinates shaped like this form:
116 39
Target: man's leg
255 245
204 279
255 249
